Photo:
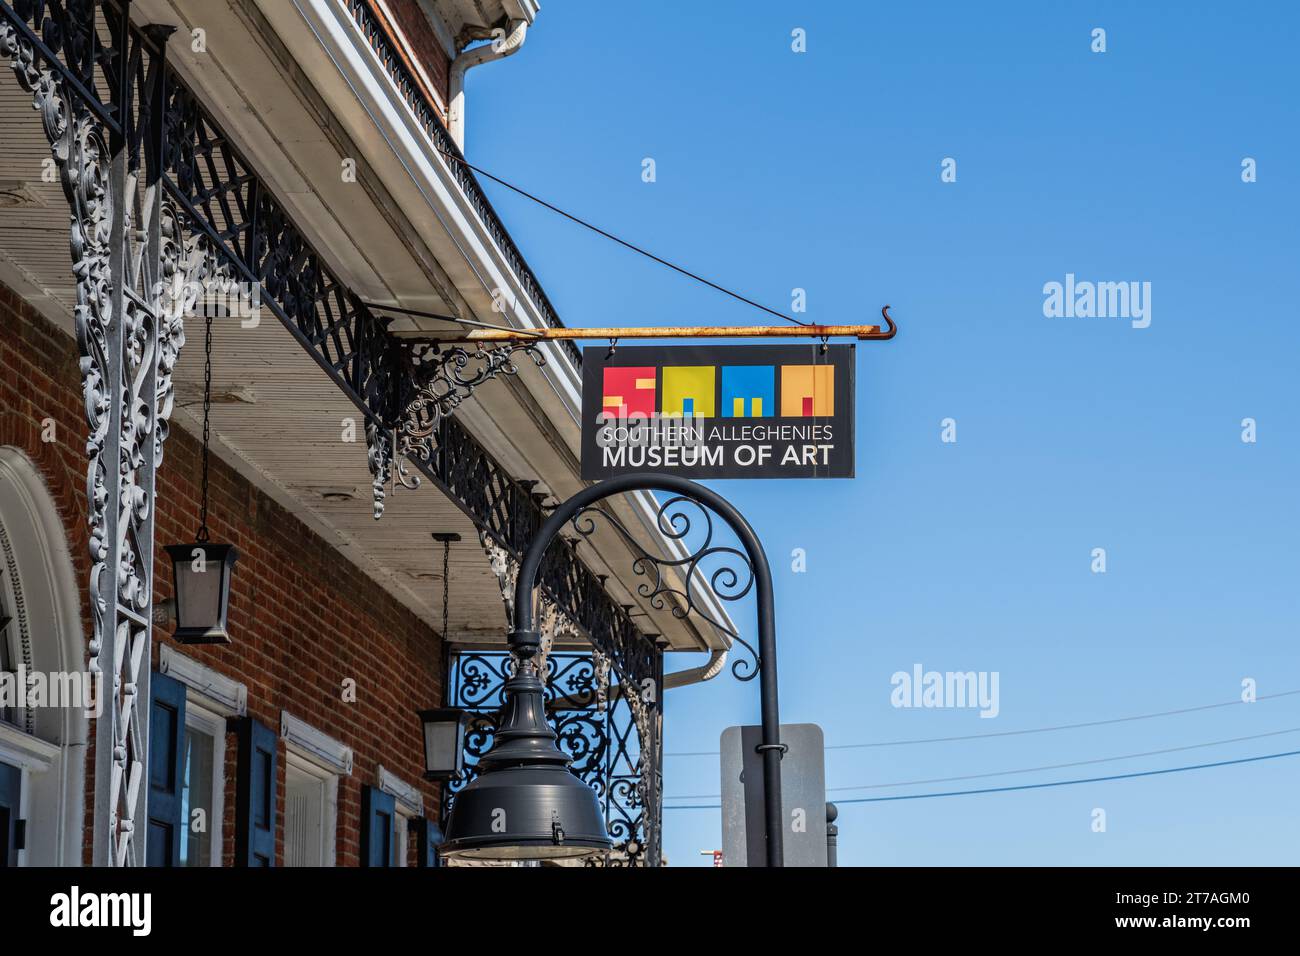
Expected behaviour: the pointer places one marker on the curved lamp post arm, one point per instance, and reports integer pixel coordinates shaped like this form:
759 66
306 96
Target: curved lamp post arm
525 632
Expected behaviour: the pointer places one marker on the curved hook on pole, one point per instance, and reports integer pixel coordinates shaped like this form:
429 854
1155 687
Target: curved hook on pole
524 639
530 565
893 329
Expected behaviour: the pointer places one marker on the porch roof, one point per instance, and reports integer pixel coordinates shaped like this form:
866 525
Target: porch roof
405 232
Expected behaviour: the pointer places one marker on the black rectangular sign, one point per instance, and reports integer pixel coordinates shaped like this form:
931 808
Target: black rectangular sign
718 411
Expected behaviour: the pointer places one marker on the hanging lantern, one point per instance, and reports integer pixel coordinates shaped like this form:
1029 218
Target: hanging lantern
444 742
444 727
201 571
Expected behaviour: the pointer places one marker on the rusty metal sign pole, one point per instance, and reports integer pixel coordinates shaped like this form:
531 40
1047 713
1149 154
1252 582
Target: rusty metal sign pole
485 334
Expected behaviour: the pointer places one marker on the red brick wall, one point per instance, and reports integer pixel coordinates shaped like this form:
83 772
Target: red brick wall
422 45
302 618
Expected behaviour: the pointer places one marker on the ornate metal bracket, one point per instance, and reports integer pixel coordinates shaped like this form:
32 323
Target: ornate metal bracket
444 377
505 568
728 570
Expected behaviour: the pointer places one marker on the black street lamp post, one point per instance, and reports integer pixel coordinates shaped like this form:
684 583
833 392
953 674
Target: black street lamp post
517 808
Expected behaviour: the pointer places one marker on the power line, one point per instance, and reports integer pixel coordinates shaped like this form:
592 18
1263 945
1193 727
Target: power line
622 242
1032 786
1016 733
1007 773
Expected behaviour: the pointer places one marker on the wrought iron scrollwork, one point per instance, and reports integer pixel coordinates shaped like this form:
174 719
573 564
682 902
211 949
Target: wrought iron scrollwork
127 255
371 27
379 456
603 740
445 376
440 379
673 583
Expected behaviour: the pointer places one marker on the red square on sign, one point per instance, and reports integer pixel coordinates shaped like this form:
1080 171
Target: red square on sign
629 390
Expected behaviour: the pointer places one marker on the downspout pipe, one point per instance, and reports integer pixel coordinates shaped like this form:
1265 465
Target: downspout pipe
697 675
499 48
684 678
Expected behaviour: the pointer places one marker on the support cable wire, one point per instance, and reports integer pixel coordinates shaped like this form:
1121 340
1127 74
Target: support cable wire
1032 786
420 313
1017 733
622 242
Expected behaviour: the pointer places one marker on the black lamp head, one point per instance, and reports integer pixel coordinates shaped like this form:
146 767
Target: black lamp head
526 804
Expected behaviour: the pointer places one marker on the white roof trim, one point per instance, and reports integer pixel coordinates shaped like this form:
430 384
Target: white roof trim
213 690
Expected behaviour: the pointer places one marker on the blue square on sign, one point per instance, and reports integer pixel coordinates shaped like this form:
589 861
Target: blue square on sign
748 391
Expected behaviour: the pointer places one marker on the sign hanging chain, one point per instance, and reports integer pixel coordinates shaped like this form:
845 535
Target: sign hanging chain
202 536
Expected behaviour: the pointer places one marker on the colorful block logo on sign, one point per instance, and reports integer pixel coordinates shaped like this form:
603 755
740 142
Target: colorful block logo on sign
689 390
807 391
748 391
629 390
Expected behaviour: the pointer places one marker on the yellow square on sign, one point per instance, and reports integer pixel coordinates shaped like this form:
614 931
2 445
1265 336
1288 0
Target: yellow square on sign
688 390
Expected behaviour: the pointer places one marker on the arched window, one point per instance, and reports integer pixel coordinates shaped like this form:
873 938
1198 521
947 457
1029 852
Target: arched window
43 679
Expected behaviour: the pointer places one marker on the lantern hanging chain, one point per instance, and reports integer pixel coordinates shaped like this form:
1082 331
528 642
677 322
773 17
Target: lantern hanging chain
202 536
446 565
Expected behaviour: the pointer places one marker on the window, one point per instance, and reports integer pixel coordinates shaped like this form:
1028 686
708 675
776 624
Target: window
203 785
310 802
401 828
313 764
402 803
210 699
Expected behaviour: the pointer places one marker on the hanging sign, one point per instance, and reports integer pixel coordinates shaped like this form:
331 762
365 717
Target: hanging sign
718 411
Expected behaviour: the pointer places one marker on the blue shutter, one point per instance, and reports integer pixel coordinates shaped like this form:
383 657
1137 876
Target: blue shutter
427 838
377 810
166 750
255 796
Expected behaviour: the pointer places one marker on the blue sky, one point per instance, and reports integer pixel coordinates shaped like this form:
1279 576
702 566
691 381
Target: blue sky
821 170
